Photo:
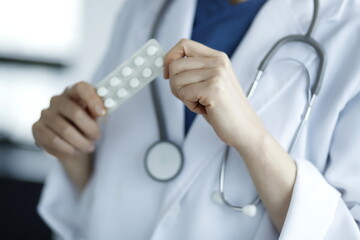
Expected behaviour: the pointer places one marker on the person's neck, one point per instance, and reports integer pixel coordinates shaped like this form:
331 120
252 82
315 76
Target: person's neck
236 1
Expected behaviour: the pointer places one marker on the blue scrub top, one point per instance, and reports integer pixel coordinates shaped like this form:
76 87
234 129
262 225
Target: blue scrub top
221 26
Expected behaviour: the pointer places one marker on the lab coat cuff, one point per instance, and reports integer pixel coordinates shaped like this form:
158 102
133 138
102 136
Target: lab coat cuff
312 207
62 205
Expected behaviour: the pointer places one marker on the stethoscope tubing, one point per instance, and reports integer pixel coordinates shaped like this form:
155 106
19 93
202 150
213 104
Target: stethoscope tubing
306 39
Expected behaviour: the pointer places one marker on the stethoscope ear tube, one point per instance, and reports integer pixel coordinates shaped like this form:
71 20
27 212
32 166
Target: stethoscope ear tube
164 159
250 209
308 40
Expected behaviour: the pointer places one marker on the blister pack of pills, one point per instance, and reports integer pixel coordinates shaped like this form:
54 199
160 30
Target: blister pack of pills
132 75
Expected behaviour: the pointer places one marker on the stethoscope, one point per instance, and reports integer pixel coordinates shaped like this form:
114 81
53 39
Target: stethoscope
164 159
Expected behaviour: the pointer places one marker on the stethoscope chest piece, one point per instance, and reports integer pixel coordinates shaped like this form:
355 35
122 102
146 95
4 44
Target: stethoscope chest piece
163 161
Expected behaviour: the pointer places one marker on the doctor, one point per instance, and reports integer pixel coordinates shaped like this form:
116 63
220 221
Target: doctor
313 193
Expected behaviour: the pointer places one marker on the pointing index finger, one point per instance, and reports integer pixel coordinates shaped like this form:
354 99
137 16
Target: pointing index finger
186 48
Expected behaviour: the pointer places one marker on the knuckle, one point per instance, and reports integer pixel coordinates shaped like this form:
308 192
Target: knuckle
53 140
34 126
77 115
80 86
173 91
66 131
54 100
216 85
175 83
221 60
183 41
94 132
65 91
35 129
223 56
172 67
183 94
44 114
219 73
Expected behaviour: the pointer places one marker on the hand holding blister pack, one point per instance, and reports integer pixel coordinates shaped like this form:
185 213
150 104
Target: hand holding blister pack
132 75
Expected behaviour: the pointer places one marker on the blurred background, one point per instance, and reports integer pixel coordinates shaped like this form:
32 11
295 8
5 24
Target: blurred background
44 47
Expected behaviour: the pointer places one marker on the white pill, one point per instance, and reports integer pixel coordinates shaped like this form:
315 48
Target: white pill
134 83
102 91
159 62
121 93
151 51
114 81
139 61
147 72
109 103
126 71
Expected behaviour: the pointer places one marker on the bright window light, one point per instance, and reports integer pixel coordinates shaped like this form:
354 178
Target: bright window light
40 29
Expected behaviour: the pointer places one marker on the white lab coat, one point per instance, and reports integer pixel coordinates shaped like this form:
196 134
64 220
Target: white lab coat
122 202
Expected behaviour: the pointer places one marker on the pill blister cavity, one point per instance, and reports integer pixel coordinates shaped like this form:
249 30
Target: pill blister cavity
159 62
151 50
147 72
134 83
126 71
102 91
109 103
115 81
122 93
139 61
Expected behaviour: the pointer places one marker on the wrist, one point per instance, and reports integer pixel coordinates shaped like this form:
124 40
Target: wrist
79 170
254 142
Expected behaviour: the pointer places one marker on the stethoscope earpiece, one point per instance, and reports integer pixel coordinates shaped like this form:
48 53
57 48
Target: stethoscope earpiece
249 210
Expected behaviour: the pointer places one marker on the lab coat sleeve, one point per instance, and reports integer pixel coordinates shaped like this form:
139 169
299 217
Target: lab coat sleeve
62 206
327 205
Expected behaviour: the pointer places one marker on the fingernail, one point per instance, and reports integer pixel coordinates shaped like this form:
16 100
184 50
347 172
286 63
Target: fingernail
100 110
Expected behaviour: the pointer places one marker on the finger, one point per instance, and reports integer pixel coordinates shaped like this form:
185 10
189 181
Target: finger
191 63
197 96
183 79
86 94
66 131
187 48
76 115
51 143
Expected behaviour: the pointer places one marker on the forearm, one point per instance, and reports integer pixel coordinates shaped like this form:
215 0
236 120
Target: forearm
79 170
204 80
273 173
